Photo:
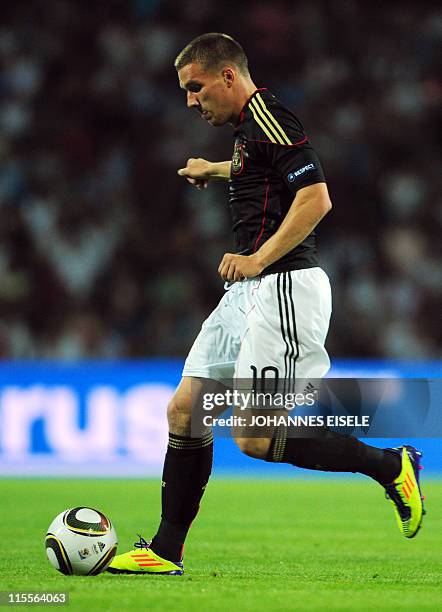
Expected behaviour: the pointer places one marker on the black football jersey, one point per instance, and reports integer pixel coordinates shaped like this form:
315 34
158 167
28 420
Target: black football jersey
272 160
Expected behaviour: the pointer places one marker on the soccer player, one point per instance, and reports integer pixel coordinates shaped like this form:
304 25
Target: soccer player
277 309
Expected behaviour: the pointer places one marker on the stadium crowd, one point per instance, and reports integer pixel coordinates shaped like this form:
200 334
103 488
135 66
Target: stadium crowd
105 252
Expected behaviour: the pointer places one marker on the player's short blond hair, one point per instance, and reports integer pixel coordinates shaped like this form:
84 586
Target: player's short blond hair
212 49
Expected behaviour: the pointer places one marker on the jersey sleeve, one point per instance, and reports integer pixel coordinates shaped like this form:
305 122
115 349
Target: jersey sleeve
298 166
283 144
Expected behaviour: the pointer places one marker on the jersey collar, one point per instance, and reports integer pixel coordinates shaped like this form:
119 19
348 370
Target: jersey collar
242 114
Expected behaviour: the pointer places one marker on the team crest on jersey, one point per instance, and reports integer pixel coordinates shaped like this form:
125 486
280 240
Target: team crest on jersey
238 158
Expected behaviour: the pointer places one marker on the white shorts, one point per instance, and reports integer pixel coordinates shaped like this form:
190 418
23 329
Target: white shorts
275 323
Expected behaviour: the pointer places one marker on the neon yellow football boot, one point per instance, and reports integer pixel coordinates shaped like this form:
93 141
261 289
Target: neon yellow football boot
143 560
405 492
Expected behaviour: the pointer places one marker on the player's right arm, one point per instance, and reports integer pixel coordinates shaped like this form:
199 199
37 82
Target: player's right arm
200 171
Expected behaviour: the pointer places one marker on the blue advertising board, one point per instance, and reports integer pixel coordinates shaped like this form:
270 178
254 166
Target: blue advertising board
109 419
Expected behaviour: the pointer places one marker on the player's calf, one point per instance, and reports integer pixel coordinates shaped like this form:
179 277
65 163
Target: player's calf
257 448
186 471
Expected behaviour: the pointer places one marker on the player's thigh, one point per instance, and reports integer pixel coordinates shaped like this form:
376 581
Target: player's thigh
180 405
262 347
215 351
188 403
287 327
311 303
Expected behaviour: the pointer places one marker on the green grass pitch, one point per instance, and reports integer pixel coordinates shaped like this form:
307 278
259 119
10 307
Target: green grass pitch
256 545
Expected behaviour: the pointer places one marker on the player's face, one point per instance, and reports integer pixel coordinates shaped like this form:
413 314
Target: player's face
208 92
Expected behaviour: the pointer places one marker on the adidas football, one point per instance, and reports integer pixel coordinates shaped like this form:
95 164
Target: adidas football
81 541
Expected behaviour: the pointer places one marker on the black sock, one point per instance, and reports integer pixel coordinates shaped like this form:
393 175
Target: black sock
187 468
334 452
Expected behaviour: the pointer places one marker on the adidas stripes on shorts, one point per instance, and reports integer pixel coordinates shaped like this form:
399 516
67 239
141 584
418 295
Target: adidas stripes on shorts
278 322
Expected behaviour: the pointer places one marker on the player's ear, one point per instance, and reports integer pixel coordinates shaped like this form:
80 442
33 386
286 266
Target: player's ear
228 76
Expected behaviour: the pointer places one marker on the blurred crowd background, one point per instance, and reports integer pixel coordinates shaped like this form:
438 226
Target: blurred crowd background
106 253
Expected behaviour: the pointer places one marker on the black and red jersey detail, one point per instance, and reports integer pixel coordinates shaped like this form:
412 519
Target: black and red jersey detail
272 160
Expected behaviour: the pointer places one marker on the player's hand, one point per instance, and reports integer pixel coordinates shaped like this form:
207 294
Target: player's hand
239 267
197 172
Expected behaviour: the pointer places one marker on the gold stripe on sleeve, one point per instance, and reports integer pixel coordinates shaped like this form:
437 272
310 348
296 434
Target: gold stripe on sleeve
271 119
264 123
261 124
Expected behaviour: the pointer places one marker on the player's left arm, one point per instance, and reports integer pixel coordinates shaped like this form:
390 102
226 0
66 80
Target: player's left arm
310 205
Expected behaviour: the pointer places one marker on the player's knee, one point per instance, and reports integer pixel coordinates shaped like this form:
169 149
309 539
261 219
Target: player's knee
253 447
178 417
